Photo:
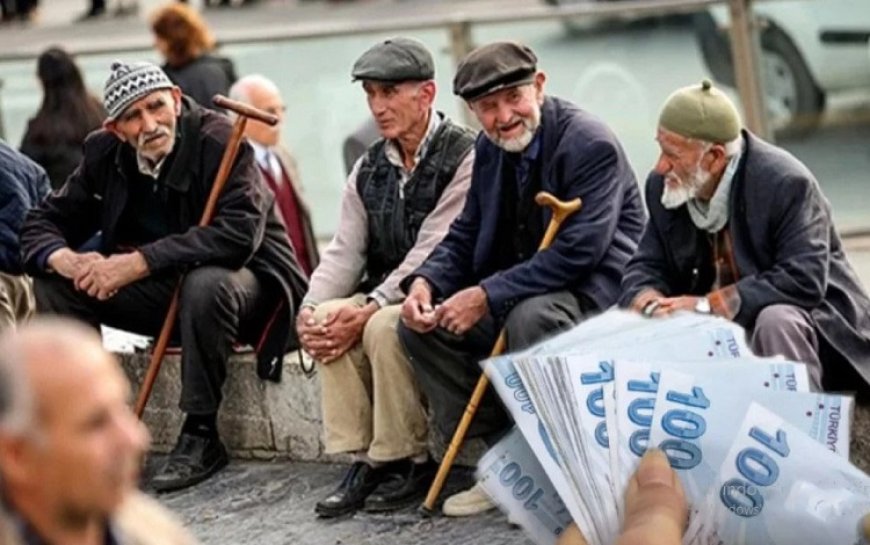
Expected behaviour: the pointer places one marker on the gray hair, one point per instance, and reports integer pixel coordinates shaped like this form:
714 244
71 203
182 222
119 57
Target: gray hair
732 147
17 400
241 89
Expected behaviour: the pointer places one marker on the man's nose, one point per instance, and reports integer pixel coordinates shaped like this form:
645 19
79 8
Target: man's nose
149 123
663 166
505 114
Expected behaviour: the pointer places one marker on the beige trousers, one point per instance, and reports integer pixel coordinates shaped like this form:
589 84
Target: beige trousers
371 400
16 300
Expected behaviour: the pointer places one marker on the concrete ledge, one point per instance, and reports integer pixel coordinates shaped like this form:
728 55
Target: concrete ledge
258 419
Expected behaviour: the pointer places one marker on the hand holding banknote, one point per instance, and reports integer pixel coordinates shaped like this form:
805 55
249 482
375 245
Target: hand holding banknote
655 506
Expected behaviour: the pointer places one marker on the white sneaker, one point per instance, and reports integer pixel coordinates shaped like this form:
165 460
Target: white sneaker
468 502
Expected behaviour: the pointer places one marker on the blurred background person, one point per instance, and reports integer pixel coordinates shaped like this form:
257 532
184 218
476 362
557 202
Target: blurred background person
98 9
68 113
186 44
23 184
277 166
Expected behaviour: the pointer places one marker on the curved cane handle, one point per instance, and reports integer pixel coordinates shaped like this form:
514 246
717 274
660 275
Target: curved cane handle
561 210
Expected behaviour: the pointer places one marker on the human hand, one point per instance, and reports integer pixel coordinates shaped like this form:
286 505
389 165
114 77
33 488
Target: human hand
669 305
342 330
417 312
460 312
68 263
655 507
102 278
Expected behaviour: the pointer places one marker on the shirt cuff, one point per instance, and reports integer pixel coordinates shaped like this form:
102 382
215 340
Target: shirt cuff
378 298
42 257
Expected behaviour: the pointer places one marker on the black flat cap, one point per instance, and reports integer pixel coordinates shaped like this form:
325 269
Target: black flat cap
493 67
395 59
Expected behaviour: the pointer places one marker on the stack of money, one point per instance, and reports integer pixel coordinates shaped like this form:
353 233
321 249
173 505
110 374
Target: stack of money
762 459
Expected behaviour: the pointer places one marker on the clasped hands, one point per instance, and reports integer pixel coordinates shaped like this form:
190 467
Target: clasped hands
329 339
99 276
457 314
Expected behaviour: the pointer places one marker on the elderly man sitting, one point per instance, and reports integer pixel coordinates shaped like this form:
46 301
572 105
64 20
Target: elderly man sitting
740 228
143 184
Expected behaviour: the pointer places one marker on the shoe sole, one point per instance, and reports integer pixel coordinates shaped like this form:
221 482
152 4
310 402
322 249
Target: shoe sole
172 486
329 513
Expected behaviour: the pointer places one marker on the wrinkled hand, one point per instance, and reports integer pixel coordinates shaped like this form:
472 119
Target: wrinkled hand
669 305
68 263
338 333
102 278
655 507
312 335
465 308
417 312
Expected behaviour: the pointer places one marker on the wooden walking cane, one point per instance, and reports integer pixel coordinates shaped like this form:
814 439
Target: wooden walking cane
243 112
561 210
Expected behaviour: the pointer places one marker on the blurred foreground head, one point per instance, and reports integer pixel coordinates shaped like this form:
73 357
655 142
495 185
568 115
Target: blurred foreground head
69 444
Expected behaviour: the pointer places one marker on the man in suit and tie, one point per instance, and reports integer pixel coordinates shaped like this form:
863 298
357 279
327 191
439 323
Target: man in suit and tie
277 166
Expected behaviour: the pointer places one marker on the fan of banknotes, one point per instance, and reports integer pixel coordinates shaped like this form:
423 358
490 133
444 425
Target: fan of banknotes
761 458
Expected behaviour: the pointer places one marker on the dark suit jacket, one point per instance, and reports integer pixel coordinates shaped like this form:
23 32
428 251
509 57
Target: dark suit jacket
786 249
580 157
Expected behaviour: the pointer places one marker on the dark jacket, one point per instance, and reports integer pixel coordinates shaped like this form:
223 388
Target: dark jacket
786 249
203 78
23 184
245 232
579 157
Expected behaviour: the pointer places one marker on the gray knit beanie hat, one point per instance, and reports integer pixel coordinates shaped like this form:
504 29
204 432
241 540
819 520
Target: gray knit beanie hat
701 112
130 82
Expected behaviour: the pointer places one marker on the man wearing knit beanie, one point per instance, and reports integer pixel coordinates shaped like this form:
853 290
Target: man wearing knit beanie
740 228
136 198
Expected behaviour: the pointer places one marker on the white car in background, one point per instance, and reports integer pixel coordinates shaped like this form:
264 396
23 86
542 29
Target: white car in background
810 49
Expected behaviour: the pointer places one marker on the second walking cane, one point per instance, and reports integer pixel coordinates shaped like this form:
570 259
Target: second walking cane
561 210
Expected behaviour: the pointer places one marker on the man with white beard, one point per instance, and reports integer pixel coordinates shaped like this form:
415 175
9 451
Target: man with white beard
740 228
486 273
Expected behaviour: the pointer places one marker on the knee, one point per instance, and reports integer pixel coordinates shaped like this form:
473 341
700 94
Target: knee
206 289
49 291
780 318
381 327
529 315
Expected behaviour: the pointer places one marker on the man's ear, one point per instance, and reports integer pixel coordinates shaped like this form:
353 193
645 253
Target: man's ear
429 89
13 459
540 79
176 99
111 125
719 161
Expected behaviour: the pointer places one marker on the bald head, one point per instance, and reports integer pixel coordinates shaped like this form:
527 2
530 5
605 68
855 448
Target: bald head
262 93
37 360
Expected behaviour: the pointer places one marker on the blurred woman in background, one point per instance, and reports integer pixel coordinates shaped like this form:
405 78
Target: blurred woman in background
68 113
185 42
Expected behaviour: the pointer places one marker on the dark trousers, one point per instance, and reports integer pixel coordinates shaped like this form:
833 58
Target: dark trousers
446 365
217 306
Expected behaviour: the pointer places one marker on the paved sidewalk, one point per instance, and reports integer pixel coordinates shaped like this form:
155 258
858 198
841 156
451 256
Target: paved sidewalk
273 504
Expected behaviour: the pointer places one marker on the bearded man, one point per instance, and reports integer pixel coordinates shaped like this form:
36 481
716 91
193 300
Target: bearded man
740 228
486 273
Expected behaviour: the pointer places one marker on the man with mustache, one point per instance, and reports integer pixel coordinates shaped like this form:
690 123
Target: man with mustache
486 273
141 187
70 446
740 228
398 202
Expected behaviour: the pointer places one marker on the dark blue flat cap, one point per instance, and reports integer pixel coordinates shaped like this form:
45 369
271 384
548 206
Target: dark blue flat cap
493 67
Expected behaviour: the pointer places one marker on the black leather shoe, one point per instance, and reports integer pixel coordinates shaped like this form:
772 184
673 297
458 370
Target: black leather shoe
359 481
193 460
403 490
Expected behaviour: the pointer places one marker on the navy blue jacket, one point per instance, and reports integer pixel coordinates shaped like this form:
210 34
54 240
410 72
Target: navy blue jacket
23 184
786 249
580 157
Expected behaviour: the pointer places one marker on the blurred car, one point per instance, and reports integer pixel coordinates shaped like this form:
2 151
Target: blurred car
810 49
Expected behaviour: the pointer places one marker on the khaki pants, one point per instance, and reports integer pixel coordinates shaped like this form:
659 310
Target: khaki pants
371 400
16 300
